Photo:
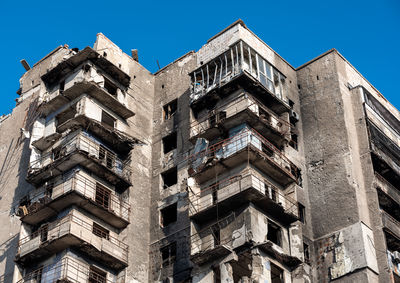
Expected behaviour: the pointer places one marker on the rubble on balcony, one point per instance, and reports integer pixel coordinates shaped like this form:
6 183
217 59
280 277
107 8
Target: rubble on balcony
242 108
79 148
243 145
239 67
72 231
234 191
74 188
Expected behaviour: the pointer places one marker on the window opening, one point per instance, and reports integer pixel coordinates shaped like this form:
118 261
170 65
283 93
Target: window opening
169 142
96 275
302 213
169 214
274 233
110 87
107 119
103 196
100 231
170 109
168 254
170 177
276 274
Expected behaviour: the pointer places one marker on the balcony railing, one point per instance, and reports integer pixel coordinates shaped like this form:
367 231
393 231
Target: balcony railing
225 67
67 270
94 150
211 196
83 186
246 139
71 225
239 105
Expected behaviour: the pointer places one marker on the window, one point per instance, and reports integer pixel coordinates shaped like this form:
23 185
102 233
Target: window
168 254
216 233
276 274
107 119
110 87
274 233
293 141
302 213
107 157
169 177
169 214
96 275
43 232
169 142
62 86
270 192
170 109
102 196
306 250
36 275
100 231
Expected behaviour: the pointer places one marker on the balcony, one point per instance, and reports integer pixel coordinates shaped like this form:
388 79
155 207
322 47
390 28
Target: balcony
80 191
238 190
247 146
239 67
58 98
65 67
242 109
68 270
80 149
71 231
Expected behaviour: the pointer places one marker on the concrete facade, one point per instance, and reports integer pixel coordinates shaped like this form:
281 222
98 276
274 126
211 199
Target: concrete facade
227 165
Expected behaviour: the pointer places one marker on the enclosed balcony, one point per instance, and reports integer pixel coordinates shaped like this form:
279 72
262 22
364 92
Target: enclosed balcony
242 109
79 148
72 231
244 146
77 190
240 189
69 270
239 67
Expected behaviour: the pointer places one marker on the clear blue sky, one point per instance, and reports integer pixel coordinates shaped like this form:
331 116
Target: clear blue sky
366 32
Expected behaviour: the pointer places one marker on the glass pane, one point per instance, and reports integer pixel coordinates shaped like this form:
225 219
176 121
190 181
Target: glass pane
270 86
263 80
268 70
261 65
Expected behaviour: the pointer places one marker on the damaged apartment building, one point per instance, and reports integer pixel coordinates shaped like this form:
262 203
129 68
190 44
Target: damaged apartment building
227 165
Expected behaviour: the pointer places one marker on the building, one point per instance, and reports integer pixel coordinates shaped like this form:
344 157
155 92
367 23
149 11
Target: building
227 165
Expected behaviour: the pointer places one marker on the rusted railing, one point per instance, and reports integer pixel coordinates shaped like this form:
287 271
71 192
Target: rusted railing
198 201
241 104
81 142
63 227
247 138
69 269
84 186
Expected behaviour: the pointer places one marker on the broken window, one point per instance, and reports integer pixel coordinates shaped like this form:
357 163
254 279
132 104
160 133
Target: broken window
100 231
103 196
97 275
274 233
169 142
107 119
110 87
276 274
168 254
302 213
170 109
306 250
169 214
169 177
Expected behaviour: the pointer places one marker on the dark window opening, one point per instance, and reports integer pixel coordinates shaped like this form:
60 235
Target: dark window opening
216 274
170 109
107 119
170 177
302 213
293 141
110 87
276 274
44 232
169 142
306 250
66 115
274 233
169 214
271 192
168 254
62 86
103 196
100 231
216 233
96 275
291 103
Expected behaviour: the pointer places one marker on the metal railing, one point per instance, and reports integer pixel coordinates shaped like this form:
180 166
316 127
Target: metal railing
246 139
241 104
210 196
69 269
70 224
85 187
385 182
80 142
